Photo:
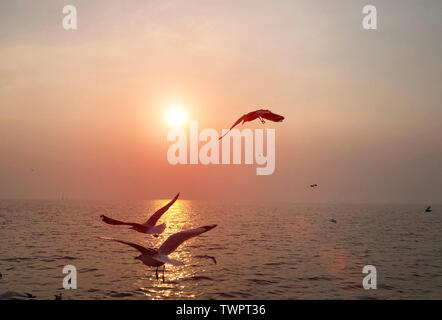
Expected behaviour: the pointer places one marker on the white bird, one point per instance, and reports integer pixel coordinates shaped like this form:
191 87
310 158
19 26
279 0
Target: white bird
156 258
149 226
8 295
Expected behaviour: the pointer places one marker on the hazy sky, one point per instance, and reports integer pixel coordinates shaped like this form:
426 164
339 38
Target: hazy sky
82 112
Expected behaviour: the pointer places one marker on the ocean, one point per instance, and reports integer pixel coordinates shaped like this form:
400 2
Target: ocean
267 251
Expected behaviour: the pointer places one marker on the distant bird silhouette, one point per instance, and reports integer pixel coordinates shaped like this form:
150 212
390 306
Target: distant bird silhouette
157 258
313 185
428 209
261 113
149 226
333 220
207 257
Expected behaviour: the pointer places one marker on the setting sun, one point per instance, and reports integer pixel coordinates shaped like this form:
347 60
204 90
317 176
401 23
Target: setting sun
176 117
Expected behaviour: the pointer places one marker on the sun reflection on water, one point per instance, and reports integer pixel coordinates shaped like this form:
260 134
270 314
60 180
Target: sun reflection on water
176 285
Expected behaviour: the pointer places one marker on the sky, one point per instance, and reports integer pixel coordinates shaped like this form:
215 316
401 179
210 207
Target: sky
83 112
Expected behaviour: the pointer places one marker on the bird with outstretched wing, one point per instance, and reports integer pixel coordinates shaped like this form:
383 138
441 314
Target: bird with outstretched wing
149 226
261 114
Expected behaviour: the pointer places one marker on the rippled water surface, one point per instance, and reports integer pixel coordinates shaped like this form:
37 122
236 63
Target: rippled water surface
279 251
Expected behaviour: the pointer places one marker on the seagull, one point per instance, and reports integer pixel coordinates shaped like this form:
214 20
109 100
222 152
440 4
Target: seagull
261 113
8 295
313 185
157 258
149 226
428 209
333 220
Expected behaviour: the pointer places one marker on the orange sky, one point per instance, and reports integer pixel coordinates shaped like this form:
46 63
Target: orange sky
82 112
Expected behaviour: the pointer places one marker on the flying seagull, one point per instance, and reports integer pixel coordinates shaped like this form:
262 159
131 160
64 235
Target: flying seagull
313 185
157 258
261 113
149 226
8 295
428 209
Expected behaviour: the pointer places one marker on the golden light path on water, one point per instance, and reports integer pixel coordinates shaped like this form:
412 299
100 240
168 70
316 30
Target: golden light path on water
176 220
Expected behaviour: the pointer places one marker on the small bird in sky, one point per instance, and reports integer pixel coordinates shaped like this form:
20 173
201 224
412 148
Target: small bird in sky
157 258
428 209
149 226
261 114
313 185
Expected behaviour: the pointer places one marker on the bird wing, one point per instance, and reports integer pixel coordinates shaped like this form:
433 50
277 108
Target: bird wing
175 240
157 215
271 116
234 125
116 222
143 250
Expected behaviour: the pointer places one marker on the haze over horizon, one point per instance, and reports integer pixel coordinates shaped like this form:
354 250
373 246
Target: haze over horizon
82 113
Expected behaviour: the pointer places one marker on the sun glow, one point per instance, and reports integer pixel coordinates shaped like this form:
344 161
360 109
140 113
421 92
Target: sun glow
176 117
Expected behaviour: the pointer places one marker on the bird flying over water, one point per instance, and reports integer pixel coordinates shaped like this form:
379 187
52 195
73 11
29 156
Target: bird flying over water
428 209
149 226
261 114
313 185
159 257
